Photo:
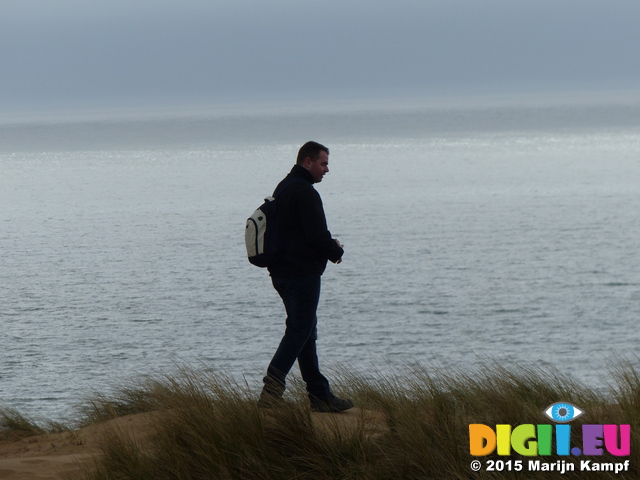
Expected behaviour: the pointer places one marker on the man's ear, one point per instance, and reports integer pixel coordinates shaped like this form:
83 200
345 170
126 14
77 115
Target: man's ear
306 163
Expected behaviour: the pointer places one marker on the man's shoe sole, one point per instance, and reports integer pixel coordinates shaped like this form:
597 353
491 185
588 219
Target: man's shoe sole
331 408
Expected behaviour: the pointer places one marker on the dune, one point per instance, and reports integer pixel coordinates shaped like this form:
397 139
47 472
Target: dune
65 456
62 455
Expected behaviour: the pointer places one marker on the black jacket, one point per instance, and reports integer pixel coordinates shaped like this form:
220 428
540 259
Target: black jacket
305 242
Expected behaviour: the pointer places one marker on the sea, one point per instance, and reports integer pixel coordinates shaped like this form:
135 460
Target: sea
506 233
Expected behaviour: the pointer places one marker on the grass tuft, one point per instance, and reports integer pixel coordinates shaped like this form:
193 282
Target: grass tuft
411 424
15 425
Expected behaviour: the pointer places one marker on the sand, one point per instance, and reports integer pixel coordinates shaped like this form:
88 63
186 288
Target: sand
62 455
67 455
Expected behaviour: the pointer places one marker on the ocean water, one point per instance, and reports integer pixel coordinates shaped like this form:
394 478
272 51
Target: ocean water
503 233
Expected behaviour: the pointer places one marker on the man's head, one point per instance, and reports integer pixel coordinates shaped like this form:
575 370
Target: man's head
314 157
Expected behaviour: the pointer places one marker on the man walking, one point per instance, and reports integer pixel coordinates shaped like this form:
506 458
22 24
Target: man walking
305 246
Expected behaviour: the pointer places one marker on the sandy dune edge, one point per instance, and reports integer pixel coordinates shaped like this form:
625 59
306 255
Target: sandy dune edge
63 456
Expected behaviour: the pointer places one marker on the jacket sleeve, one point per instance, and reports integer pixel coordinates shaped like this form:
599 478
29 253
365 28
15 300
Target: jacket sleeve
314 225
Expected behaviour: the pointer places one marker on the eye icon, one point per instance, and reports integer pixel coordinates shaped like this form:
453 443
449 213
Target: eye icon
562 412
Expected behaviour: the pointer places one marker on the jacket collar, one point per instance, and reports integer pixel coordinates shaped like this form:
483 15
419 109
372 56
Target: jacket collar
302 172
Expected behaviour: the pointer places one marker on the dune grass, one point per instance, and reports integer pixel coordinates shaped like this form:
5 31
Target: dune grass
207 426
14 425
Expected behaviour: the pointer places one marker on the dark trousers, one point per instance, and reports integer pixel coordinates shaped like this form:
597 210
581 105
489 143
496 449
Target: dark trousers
300 296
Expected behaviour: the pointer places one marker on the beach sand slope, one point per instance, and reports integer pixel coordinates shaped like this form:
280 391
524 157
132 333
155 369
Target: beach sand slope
65 456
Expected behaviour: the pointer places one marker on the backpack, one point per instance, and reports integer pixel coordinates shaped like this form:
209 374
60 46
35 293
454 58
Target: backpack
261 231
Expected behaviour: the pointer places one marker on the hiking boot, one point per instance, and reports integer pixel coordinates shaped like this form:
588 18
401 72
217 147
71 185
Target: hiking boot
330 405
267 400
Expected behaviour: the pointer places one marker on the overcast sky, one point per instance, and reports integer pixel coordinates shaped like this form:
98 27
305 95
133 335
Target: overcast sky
68 54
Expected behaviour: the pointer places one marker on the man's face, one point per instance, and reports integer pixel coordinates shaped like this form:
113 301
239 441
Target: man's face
317 168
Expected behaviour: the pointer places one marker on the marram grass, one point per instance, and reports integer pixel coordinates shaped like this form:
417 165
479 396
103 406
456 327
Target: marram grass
410 424
14 425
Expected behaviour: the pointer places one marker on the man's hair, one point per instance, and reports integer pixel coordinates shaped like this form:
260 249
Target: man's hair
311 150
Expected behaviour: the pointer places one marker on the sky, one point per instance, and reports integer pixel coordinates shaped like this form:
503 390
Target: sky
84 54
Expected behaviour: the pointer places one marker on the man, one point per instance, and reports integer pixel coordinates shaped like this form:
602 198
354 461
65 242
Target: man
305 246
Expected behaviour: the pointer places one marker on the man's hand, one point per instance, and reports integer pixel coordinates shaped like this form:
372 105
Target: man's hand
341 246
